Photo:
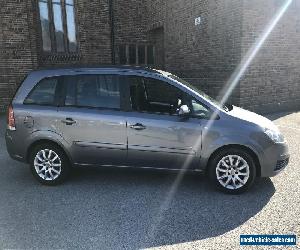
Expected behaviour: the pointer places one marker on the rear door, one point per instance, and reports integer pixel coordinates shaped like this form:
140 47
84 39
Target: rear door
91 119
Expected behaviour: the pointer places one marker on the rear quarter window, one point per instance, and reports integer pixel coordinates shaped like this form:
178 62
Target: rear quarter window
43 93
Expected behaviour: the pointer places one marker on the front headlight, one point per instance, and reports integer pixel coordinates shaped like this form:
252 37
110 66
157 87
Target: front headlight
275 136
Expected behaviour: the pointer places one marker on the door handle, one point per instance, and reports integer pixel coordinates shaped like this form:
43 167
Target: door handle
68 121
138 126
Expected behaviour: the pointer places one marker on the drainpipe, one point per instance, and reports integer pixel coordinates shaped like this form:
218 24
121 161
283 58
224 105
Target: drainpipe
112 30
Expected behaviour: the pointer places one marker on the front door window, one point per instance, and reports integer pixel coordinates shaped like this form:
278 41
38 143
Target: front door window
154 96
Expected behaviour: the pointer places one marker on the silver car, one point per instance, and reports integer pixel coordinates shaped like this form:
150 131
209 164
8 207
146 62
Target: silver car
137 117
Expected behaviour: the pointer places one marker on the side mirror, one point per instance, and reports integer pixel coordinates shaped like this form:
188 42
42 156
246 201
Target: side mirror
184 111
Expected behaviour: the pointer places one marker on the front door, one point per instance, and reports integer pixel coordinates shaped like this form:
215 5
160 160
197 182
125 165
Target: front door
157 136
91 120
163 141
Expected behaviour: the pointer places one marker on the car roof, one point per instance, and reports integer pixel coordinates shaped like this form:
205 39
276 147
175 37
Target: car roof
97 69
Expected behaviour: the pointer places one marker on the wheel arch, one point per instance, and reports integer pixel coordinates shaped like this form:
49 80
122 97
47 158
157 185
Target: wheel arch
240 147
47 141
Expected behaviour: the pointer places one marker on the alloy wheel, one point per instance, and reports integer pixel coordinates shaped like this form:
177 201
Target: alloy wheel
47 164
232 172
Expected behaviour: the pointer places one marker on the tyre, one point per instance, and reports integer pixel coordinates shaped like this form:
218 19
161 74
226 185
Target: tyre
232 171
49 164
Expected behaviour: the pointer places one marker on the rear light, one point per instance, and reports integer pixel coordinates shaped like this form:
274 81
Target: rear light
11 124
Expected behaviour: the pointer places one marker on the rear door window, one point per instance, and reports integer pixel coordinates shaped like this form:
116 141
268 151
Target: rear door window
93 91
43 93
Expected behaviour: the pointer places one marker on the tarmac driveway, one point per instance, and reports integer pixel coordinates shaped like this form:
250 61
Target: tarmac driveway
130 209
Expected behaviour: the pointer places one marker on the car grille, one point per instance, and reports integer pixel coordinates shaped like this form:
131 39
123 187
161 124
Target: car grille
281 164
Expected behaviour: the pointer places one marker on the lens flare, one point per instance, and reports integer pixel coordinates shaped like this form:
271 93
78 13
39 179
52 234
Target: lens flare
228 88
252 52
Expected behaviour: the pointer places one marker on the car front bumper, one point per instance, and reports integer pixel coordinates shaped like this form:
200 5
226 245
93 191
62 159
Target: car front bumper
276 158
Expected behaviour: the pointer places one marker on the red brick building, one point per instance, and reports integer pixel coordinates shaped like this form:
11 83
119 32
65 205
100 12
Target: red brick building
203 41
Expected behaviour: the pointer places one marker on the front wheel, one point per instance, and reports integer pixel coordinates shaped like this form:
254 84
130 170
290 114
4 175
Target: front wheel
232 171
49 164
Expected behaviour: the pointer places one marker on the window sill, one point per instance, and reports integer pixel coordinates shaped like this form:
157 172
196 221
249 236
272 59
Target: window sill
57 57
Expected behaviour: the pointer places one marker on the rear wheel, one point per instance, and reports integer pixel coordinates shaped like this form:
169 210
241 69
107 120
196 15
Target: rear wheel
49 164
232 171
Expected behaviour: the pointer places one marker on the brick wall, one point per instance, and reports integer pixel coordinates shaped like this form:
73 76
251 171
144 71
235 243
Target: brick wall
136 22
130 21
130 24
17 49
272 82
205 54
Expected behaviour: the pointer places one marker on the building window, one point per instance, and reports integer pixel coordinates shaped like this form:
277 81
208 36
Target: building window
141 54
45 25
136 54
150 53
132 54
58 26
71 26
122 54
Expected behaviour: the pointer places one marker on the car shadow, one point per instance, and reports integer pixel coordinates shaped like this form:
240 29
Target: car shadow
149 211
109 208
276 116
